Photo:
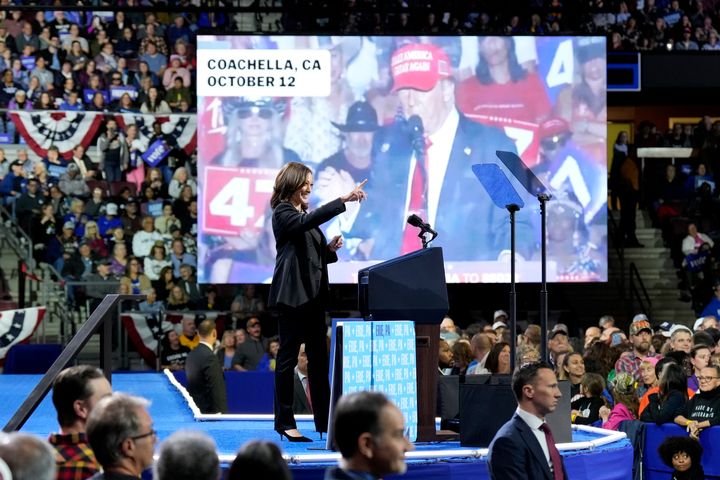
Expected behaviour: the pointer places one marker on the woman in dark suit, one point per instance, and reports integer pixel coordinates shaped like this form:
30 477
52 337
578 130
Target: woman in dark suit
299 290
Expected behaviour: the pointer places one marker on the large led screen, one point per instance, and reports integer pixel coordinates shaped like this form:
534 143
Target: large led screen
412 115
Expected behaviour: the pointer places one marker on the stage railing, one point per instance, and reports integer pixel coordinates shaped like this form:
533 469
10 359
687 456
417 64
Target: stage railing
101 317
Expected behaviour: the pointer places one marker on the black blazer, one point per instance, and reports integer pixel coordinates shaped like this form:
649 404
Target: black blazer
515 454
205 381
302 255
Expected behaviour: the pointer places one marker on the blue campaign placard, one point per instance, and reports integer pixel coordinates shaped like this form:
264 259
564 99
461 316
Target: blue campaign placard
380 356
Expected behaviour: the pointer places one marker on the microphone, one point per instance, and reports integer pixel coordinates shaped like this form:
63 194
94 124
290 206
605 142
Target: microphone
417 134
416 221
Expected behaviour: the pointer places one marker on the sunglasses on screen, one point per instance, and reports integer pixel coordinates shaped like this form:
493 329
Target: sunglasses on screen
262 112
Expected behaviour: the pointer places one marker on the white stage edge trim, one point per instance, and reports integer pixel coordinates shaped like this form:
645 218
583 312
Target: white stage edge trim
214 417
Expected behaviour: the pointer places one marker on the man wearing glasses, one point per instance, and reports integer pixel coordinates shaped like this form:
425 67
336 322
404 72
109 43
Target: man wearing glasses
121 434
703 410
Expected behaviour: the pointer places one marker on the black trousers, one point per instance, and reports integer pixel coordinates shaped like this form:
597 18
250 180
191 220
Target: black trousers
304 324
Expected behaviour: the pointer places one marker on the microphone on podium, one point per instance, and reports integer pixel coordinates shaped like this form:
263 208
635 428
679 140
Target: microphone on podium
416 221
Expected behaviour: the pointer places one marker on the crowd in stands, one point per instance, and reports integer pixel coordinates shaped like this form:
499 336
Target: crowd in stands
681 198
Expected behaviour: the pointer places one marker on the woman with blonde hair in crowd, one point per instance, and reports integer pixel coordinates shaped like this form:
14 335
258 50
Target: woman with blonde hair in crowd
226 352
178 300
92 237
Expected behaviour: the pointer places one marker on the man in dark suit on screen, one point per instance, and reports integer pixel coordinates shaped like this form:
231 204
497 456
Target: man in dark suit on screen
422 165
205 381
524 447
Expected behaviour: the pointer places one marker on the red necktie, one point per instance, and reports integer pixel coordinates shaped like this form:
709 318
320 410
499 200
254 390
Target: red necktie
554 454
418 202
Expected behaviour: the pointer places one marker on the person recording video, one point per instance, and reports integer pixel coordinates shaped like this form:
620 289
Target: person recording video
422 165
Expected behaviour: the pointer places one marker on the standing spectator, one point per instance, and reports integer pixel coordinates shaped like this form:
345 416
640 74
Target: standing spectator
76 391
113 152
626 402
206 383
121 435
670 400
640 336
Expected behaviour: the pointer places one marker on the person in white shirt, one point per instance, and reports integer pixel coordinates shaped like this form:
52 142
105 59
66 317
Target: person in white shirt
144 240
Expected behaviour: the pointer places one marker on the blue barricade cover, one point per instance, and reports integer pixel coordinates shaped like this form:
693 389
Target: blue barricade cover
655 469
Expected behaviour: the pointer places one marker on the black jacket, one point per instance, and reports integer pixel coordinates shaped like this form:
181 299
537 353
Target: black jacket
205 381
705 406
302 255
664 411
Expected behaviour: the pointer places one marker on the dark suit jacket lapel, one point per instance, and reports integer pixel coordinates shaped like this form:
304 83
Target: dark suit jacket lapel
529 438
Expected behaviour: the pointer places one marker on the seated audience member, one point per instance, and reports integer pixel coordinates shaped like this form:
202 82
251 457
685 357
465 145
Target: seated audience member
187 455
72 183
178 300
648 378
144 240
269 360
76 391
586 409
680 339
247 303
165 284
498 361
699 359
573 369
226 352
156 261
27 456
481 344
626 402
445 358
119 259
205 381
683 456
369 431
249 353
188 282
110 221
462 356
302 404
671 398
259 459
713 308
101 283
178 257
121 434
134 279
703 410
189 336
151 304
173 355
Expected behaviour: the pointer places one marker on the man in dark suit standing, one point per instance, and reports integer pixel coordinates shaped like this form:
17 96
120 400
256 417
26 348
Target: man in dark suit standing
524 447
422 165
205 381
302 403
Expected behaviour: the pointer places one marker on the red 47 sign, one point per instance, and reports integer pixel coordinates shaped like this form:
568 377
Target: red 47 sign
235 199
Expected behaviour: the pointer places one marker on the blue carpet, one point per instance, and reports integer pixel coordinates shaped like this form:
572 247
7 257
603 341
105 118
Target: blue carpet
170 413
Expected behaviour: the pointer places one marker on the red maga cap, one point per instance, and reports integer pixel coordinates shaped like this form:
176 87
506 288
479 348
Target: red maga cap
419 66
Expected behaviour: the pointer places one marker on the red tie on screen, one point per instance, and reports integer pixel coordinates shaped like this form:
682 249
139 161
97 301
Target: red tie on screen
418 201
554 454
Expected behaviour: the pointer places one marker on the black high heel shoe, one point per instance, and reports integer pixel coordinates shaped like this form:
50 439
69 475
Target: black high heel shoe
300 439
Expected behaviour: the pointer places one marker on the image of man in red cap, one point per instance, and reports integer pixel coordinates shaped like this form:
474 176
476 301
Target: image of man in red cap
422 165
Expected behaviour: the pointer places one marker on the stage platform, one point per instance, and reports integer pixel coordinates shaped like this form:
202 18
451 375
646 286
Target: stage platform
594 453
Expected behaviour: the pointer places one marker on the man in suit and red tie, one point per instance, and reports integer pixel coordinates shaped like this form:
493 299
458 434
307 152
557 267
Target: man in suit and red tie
524 447
422 165
302 403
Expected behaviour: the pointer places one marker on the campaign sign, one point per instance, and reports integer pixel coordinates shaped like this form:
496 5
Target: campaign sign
117 92
235 199
88 94
156 152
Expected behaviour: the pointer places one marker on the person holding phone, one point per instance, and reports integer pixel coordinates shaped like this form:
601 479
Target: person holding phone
299 290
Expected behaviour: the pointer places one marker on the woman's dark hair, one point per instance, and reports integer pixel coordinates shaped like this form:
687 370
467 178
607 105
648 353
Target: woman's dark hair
492 363
673 379
259 459
598 359
289 179
517 72
462 353
672 445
